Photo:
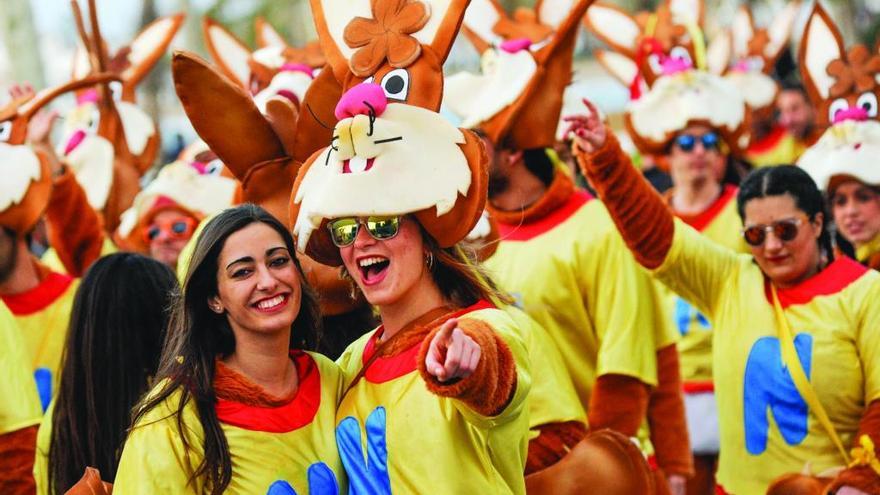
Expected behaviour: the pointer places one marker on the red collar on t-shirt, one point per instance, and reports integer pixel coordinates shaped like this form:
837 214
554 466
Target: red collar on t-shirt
298 412
53 286
702 220
833 279
529 230
385 369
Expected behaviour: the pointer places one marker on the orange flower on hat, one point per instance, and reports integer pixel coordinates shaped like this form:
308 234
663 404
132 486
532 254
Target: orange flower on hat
666 31
386 36
857 75
759 42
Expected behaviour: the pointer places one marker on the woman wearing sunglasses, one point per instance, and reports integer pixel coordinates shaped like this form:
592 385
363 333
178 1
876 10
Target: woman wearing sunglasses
793 326
437 392
239 404
440 366
693 121
165 214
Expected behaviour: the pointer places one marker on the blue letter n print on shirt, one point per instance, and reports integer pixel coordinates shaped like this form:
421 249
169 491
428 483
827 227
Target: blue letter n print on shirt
322 481
366 476
685 314
768 385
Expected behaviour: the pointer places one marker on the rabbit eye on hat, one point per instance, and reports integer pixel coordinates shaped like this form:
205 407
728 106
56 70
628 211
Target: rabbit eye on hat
396 84
5 131
868 102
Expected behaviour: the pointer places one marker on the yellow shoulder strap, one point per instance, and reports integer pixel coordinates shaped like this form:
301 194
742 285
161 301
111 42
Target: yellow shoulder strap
790 357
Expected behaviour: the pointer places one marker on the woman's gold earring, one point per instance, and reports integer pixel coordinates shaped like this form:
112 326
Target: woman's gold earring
429 260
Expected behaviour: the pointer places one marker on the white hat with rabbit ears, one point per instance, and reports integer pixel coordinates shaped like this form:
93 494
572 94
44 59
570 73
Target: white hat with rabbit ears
417 163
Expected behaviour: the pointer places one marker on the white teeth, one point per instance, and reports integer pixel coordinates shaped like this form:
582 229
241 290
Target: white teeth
357 164
370 261
270 303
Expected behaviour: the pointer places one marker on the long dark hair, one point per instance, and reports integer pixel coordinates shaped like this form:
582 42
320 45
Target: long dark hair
198 336
117 327
793 181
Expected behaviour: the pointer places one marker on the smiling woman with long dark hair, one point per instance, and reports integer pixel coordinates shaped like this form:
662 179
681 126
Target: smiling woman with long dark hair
116 332
239 404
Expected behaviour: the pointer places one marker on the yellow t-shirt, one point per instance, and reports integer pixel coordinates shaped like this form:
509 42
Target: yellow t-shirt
573 274
778 148
273 450
20 405
43 315
394 436
44 441
552 398
50 257
765 425
720 223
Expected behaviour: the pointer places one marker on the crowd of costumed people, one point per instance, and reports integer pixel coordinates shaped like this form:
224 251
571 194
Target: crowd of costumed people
370 275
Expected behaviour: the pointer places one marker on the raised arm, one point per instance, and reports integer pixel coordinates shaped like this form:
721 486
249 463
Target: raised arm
690 264
75 230
641 216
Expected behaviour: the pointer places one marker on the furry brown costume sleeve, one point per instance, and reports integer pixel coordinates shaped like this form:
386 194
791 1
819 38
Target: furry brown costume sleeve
642 217
76 231
90 484
17 453
490 387
553 442
618 402
666 417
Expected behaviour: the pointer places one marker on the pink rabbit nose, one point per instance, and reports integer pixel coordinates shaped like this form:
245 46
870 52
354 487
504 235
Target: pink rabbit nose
74 141
857 114
517 45
674 65
363 99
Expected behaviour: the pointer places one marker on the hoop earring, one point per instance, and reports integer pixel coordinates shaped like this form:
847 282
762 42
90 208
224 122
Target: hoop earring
429 260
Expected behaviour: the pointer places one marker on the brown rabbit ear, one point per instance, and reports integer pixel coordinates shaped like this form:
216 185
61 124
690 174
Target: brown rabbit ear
282 115
456 224
719 53
564 16
267 35
692 10
623 68
443 27
229 52
480 18
317 116
742 30
148 47
821 44
224 115
779 32
80 66
615 27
